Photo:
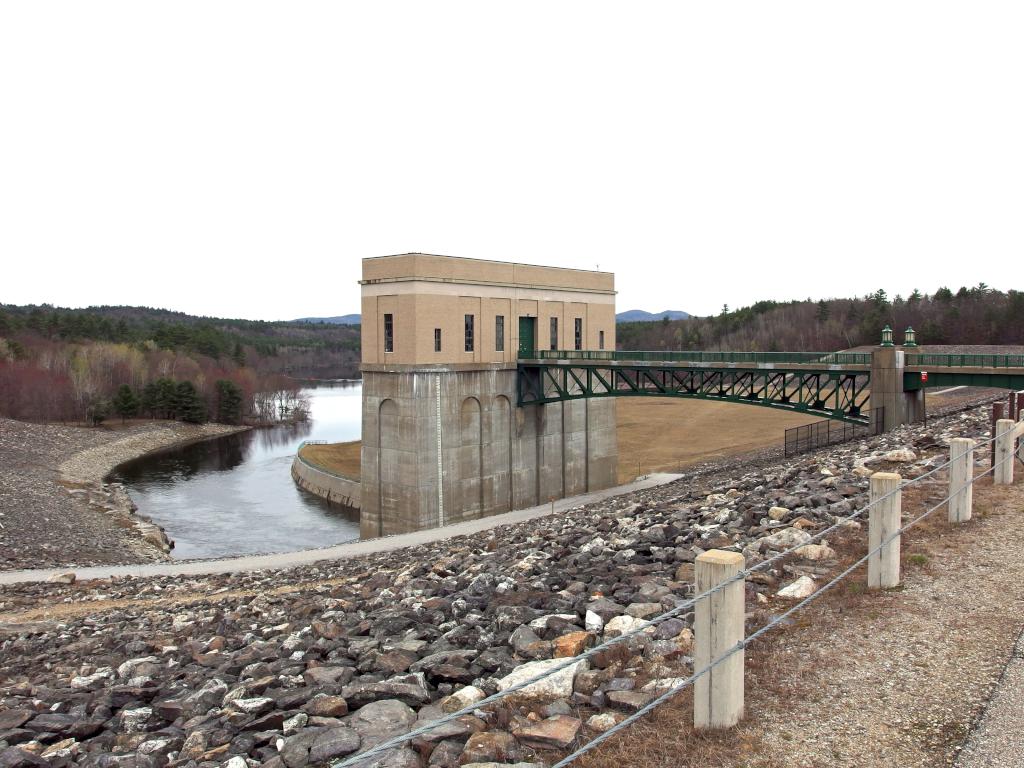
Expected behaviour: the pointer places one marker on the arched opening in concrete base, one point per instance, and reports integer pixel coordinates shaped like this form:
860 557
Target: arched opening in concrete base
388 465
470 469
499 466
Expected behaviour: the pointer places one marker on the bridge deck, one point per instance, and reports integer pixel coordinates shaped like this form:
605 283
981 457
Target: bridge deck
835 385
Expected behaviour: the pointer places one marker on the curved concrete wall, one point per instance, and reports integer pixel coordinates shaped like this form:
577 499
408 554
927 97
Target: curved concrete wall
335 488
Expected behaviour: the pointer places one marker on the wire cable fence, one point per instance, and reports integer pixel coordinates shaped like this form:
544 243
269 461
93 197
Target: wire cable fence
742 645
362 758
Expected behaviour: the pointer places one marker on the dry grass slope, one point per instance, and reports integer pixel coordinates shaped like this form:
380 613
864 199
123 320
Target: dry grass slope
659 434
342 458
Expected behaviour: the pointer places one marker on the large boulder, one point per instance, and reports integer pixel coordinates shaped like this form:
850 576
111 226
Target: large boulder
313 745
381 720
780 540
410 689
491 746
556 685
799 589
556 732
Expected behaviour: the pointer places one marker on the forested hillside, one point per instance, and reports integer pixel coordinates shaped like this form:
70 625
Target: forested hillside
91 364
106 362
978 315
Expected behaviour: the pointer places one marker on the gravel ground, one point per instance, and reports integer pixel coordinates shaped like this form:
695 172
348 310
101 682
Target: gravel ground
899 678
401 631
54 508
212 668
999 738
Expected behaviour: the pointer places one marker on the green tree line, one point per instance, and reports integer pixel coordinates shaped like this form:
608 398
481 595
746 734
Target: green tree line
969 315
169 399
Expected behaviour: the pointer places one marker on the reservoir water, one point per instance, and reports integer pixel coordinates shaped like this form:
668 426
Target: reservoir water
234 495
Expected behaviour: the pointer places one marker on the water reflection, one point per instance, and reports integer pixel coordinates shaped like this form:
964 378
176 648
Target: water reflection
289 435
235 495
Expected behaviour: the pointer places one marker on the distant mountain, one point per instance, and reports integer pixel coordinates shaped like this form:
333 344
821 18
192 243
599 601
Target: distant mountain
339 320
639 316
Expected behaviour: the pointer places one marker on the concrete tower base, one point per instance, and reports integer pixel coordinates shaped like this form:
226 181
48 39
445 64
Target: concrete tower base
443 445
901 407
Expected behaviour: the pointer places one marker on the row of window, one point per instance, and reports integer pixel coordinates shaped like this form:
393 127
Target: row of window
499 334
577 333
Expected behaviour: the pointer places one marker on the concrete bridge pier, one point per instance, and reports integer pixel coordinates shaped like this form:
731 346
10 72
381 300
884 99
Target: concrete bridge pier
887 368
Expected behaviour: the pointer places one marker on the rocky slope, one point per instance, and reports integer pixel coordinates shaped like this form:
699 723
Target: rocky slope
305 666
55 508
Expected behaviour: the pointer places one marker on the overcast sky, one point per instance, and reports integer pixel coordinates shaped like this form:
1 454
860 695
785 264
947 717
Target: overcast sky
239 158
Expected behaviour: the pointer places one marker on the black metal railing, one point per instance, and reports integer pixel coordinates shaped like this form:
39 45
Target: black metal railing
819 434
964 361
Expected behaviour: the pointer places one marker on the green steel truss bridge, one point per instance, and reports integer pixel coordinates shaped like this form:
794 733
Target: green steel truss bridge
833 385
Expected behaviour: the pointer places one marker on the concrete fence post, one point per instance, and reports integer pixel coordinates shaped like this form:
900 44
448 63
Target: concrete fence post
883 522
961 472
1003 460
718 627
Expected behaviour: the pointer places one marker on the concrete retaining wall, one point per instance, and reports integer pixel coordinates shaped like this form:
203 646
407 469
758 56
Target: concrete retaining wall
335 488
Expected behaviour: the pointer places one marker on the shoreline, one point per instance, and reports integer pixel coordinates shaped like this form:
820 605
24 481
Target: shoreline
118 501
100 474
60 512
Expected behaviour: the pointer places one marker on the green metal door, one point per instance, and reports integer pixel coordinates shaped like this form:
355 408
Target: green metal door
527 327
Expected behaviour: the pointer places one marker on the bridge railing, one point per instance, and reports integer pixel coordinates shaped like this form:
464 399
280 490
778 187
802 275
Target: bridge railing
691 356
965 361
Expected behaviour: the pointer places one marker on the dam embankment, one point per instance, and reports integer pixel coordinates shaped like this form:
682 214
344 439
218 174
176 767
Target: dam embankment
393 634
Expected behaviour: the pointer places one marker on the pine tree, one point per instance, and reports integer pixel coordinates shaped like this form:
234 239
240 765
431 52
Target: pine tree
126 404
238 355
189 406
148 402
229 402
166 399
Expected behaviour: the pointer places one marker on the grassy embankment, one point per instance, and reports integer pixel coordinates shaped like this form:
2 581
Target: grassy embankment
340 458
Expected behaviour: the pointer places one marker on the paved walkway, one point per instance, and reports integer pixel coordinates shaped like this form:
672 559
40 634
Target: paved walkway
998 741
338 552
